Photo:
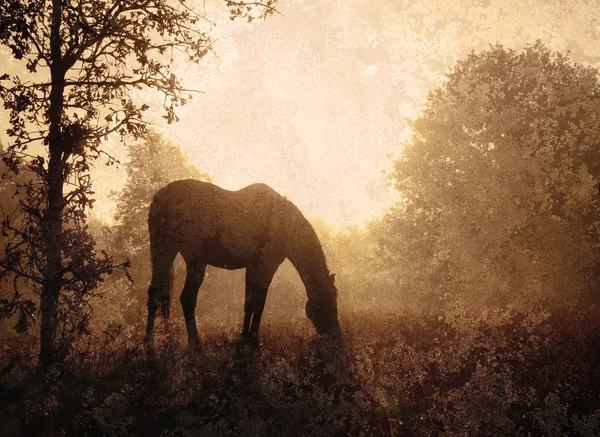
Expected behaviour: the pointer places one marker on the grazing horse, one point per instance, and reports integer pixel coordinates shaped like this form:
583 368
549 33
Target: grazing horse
253 228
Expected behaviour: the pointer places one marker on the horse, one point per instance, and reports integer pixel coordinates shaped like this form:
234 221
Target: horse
253 228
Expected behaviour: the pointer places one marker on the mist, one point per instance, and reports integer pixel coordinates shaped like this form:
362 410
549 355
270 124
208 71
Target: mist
425 174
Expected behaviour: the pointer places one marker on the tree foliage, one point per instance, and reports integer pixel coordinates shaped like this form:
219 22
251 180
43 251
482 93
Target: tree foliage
499 183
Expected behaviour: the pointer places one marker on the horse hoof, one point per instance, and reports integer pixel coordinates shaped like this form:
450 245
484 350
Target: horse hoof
149 346
249 340
151 354
195 346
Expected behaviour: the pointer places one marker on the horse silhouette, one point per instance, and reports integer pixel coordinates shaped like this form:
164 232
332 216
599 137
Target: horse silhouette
254 228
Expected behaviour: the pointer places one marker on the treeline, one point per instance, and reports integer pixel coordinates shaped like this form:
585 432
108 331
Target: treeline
499 204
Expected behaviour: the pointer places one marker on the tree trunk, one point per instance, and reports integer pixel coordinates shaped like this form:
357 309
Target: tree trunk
52 229
52 220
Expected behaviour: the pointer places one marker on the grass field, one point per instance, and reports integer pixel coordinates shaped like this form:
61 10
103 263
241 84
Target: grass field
496 374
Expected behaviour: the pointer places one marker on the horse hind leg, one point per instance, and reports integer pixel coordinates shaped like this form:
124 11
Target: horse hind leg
189 297
159 292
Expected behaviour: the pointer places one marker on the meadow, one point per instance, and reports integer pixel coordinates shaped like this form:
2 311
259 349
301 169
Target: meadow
500 373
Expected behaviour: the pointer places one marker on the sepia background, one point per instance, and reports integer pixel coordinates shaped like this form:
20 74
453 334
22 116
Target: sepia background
447 155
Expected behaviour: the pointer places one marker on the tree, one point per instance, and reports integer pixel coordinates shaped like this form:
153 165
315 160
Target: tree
146 174
499 181
83 60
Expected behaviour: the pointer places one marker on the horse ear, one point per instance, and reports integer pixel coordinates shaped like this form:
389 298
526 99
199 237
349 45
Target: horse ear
332 278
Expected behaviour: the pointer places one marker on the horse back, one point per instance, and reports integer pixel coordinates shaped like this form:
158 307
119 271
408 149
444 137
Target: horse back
221 227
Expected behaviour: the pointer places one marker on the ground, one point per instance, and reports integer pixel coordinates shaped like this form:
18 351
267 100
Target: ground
500 373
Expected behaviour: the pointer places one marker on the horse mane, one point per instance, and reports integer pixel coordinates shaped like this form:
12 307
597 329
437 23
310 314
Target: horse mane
308 251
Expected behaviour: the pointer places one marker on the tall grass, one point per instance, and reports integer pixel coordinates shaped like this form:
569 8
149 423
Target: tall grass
500 373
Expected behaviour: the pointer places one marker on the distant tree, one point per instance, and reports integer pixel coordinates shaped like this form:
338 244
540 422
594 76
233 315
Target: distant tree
153 163
500 183
82 61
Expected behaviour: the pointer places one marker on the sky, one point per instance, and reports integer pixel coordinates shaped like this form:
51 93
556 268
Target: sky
316 101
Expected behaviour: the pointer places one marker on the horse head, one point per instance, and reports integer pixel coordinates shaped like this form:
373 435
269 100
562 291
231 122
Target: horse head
321 308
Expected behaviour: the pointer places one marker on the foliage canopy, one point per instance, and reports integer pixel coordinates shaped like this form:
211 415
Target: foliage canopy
499 182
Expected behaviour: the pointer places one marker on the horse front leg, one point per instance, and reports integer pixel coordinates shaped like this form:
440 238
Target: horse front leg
247 319
253 309
258 279
259 305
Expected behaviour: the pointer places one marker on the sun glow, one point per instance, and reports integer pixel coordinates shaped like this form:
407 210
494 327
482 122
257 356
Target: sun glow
313 102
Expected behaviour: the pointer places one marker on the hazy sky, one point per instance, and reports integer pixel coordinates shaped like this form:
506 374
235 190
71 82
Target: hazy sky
313 102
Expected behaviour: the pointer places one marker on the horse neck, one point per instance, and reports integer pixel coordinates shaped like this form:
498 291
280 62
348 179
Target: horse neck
306 254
